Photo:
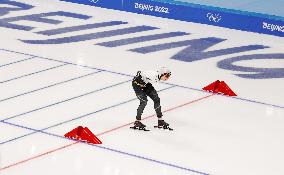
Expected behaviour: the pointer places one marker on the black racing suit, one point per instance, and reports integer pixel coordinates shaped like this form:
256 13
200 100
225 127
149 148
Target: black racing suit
142 90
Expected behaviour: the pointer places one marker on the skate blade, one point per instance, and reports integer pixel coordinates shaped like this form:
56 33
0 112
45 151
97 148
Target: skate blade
135 128
161 127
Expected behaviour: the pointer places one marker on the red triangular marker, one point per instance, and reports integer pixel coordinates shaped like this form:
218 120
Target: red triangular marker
225 89
74 132
93 138
83 134
219 87
213 87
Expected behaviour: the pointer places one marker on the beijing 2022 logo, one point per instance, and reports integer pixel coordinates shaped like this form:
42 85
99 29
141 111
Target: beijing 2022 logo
214 17
94 1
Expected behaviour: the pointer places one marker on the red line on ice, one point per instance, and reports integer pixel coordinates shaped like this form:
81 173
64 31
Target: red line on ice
108 131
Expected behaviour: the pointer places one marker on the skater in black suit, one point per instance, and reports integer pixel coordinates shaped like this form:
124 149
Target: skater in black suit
142 85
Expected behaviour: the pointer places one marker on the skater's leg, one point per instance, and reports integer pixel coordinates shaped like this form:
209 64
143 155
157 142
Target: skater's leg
141 95
157 105
142 105
155 97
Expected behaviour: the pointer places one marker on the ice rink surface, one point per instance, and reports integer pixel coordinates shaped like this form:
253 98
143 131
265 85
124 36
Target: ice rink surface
74 67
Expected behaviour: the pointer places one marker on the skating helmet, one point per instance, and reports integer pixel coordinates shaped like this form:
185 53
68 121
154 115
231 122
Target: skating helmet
164 71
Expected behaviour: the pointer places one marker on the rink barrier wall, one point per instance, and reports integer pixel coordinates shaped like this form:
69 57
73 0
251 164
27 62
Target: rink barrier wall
233 19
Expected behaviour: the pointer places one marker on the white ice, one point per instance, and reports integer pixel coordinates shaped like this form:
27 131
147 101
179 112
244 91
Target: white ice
213 134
